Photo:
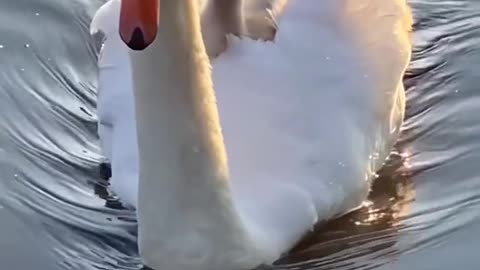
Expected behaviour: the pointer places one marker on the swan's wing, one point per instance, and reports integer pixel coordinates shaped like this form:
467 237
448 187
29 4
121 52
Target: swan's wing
261 17
386 42
223 17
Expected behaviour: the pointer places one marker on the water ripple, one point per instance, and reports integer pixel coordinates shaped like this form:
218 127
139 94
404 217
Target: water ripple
428 192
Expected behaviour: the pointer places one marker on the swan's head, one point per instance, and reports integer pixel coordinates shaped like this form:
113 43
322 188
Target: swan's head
139 22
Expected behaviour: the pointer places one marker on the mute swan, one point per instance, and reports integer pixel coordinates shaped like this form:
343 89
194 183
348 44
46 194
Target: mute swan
305 121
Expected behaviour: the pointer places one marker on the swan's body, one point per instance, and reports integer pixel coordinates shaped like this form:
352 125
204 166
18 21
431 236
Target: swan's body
307 121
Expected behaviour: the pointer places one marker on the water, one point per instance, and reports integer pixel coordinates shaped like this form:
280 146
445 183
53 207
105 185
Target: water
424 209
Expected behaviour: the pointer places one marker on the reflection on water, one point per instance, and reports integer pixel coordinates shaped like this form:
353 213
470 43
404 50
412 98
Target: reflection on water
422 213
370 232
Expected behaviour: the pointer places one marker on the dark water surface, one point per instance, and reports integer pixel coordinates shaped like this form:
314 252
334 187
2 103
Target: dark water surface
424 209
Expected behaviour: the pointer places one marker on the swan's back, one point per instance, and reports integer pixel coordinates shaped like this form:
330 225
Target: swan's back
309 119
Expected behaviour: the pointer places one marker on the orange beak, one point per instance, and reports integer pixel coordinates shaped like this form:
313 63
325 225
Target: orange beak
139 22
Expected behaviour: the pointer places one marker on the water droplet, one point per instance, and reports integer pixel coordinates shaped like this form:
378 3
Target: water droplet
37 14
22 69
327 58
1 46
27 45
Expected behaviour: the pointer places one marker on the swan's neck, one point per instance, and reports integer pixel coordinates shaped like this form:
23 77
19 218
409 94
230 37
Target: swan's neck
186 217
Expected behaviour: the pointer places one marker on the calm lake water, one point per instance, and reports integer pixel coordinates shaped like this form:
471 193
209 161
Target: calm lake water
424 208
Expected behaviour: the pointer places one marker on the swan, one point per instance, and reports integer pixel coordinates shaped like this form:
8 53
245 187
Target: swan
300 127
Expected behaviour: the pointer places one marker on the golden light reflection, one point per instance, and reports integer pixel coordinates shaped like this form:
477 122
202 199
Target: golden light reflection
380 216
406 159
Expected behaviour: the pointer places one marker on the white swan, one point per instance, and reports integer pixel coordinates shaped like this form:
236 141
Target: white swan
307 121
